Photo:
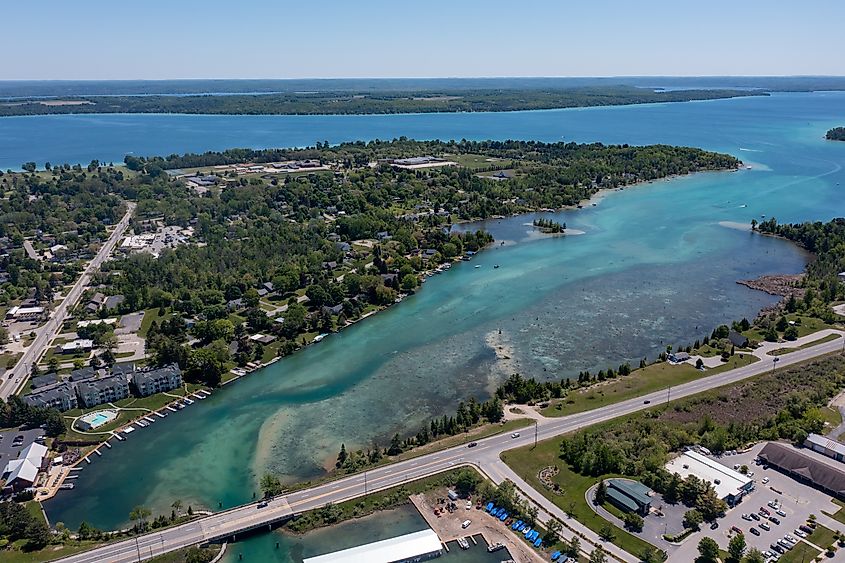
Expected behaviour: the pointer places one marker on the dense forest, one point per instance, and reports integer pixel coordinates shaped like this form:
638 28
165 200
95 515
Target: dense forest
836 134
366 102
827 242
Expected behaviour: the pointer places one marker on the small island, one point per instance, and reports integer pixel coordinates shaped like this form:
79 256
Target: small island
549 226
836 134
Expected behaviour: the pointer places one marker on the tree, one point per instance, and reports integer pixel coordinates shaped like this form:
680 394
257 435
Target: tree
601 493
708 549
466 481
791 332
633 522
177 506
607 533
736 548
650 555
139 515
598 555
574 548
341 456
693 519
270 485
754 555
553 529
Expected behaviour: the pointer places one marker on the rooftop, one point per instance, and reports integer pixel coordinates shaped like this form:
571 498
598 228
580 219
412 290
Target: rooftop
827 444
818 472
725 480
386 551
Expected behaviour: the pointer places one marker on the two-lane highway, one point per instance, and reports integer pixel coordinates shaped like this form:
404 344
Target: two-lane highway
16 377
485 456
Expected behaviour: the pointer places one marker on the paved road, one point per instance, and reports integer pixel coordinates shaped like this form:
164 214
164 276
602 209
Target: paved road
485 456
17 376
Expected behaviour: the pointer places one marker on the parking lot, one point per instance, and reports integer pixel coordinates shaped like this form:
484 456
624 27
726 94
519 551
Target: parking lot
795 500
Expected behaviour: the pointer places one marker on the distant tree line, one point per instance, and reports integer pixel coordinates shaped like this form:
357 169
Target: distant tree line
370 102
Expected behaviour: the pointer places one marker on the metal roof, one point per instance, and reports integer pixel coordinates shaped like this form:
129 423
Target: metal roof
385 551
826 444
817 472
725 480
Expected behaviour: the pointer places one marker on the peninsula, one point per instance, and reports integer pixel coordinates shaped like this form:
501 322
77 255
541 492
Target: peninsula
368 101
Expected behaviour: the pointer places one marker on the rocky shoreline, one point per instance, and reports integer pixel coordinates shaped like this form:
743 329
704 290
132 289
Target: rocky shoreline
781 285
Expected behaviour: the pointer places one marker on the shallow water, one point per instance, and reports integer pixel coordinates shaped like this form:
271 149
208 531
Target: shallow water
657 265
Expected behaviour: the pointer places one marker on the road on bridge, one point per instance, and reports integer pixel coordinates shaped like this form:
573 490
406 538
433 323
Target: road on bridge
485 456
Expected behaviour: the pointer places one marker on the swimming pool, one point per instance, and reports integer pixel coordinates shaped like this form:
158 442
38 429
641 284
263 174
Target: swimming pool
96 419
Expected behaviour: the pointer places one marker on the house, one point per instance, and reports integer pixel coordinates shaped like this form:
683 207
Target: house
737 339
235 304
383 235
343 246
94 392
678 357
730 485
44 380
154 381
269 287
76 346
112 301
329 265
82 374
390 279
629 495
825 446
21 473
59 396
336 310
262 338
262 292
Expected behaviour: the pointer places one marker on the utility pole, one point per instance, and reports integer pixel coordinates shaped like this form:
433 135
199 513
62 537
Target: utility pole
775 363
535 432
138 547
365 482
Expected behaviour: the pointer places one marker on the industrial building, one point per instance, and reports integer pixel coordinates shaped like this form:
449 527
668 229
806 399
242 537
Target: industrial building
730 485
410 548
825 446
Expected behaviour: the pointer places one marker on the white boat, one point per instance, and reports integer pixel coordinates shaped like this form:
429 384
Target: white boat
463 543
187 400
66 486
478 265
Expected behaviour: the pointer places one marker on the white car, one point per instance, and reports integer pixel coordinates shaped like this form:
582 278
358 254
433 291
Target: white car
515 435
469 505
765 480
800 533
746 517
466 524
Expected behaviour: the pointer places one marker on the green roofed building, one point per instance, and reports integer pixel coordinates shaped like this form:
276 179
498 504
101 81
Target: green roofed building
628 495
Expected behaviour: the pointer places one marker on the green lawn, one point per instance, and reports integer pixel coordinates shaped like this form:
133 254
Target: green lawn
781 351
49 553
641 381
808 325
151 315
528 462
801 553
476 161
822 537
839 515
180 555
831 416
34 508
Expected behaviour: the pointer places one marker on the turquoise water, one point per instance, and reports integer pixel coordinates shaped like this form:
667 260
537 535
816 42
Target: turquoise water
657 265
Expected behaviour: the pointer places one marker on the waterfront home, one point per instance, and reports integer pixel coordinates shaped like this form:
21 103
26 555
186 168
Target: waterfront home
153 381
94 392
44 380
336 310
678 357
59 396
262 338
737 339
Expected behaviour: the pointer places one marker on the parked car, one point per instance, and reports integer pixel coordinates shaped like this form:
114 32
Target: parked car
755 516
746 517
262 504
774 520
736 530
754 531
765 480
765 526
764 511
466 524
781 513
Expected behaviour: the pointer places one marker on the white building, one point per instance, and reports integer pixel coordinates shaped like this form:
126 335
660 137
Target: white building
730 485
78 345
418 546
24 313
21 473
825 446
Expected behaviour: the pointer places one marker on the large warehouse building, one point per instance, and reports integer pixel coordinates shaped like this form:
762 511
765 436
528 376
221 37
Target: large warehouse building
730 485
410 548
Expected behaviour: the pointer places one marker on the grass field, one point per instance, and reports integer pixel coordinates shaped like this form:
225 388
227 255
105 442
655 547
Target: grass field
180 555
528 462
151 315
49 553
640 382
801 553
475 161
839 515
822 536
782 351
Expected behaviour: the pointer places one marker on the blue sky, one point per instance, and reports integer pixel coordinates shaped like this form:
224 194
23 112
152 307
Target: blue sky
157 39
